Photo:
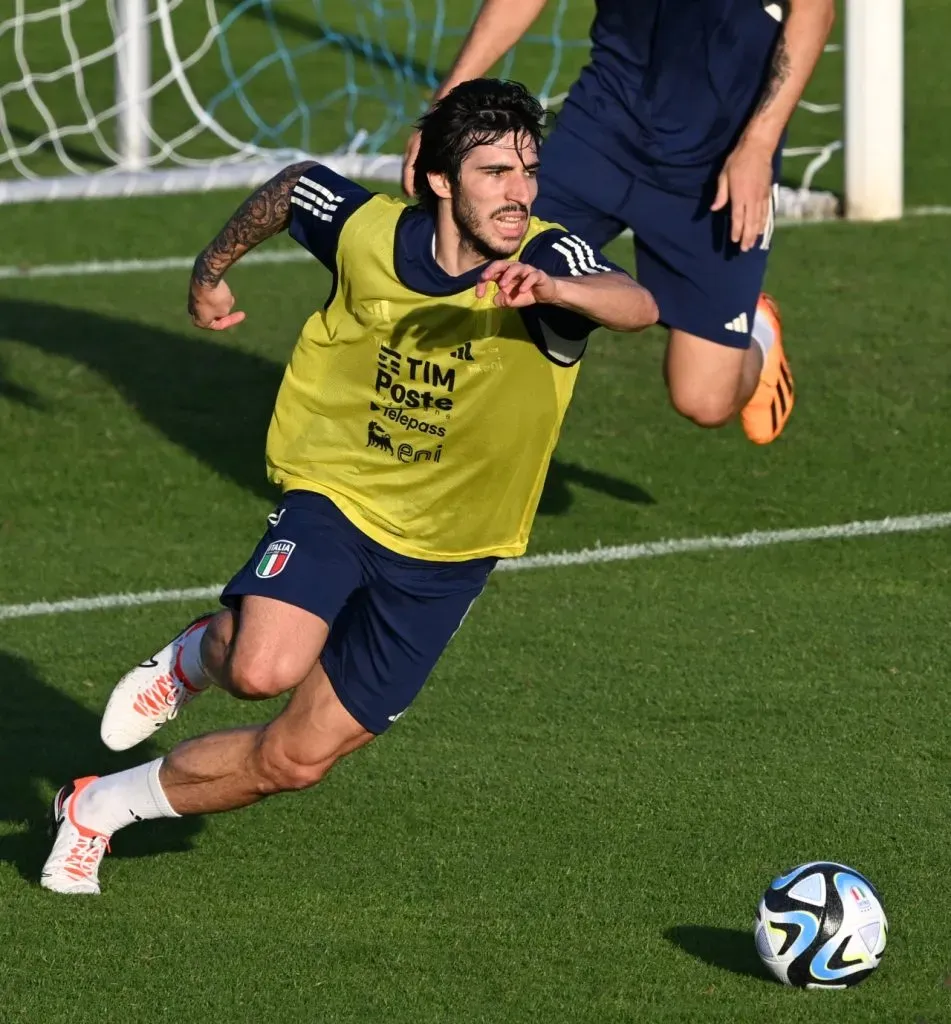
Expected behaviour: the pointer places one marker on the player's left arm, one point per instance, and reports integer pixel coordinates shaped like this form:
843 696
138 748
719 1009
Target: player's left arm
746 178
612 299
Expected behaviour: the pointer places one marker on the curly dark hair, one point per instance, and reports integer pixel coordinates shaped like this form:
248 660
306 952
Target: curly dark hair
475 113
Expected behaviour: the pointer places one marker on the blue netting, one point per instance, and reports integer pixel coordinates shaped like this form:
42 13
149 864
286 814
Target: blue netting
358 73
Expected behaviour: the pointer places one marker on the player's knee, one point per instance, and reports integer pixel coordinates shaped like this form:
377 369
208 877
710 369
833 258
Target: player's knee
281 772
706 409
256 676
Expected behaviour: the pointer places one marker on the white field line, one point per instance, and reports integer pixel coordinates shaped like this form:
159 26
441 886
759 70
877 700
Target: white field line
587 556
929 211
91 268
94 267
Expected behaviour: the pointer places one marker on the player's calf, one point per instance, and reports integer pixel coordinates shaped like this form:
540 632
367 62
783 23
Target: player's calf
303 743
277 770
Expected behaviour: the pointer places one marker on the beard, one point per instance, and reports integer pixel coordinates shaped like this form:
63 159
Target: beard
474 236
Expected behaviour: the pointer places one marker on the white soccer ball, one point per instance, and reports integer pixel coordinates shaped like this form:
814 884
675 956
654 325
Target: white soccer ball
821 925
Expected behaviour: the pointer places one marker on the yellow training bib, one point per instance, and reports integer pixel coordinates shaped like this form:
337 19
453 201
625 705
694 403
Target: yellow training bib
429 421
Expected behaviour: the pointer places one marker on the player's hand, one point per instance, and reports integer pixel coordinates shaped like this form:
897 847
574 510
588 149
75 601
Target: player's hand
210 306
519 284
746 183
409 163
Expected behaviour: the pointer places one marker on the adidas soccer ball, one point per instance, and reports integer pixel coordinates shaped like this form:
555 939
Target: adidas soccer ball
821 925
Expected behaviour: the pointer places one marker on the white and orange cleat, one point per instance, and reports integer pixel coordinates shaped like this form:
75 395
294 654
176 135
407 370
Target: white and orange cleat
149 696
73 865
766 413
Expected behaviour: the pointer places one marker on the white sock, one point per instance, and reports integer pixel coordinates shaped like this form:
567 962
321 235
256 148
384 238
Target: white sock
763 333
114 801
190 665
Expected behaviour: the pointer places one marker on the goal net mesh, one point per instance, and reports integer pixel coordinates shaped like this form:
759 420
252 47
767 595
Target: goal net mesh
112 97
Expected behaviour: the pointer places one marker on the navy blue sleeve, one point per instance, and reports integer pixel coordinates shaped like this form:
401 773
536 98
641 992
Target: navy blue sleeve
562 255
321 202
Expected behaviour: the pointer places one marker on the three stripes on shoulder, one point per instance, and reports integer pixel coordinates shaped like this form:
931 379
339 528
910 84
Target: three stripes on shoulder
580 256
316 199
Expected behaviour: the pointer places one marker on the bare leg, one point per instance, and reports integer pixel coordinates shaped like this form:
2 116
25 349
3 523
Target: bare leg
264 650
710 383
268 648
227 770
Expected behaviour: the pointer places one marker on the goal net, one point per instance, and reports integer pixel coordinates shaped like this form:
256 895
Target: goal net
123 97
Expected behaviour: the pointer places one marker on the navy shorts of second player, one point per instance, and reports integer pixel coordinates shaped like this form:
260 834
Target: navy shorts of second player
390 617
640 142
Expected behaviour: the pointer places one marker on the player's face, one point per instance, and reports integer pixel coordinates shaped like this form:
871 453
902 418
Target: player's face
493 198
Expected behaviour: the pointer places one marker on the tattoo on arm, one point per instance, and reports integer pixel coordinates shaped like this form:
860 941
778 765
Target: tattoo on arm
778 73
264 213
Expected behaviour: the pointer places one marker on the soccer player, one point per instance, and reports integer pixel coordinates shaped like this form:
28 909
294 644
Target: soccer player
674 130
411 437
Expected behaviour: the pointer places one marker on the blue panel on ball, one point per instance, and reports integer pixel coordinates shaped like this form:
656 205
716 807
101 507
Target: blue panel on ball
820 967
784 880
812 889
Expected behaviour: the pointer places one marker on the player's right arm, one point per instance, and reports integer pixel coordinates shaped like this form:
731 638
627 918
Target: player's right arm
308 198
499 25
610 298
264 213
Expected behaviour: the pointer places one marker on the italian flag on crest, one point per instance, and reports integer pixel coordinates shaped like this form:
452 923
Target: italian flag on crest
274 559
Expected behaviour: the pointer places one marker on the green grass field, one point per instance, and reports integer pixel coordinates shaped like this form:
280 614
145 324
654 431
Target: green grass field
576 819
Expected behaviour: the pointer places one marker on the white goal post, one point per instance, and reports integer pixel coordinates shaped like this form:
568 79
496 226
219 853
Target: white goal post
874 109
136 158
133 64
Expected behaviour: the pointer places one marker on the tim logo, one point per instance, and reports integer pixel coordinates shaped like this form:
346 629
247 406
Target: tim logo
429 380
377 437
390 360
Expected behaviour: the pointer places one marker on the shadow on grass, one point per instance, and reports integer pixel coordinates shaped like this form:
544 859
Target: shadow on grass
209 398
48 739
562 476
728 948
356 47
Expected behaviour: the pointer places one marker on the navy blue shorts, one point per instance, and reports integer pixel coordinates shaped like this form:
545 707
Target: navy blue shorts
702 282
390 617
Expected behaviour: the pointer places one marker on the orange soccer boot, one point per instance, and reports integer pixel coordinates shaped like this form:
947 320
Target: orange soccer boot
765 414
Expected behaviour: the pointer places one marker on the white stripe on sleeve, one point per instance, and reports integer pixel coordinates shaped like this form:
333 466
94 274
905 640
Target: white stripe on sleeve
317 187
581 256
314 199
569 256
304 205
587 248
